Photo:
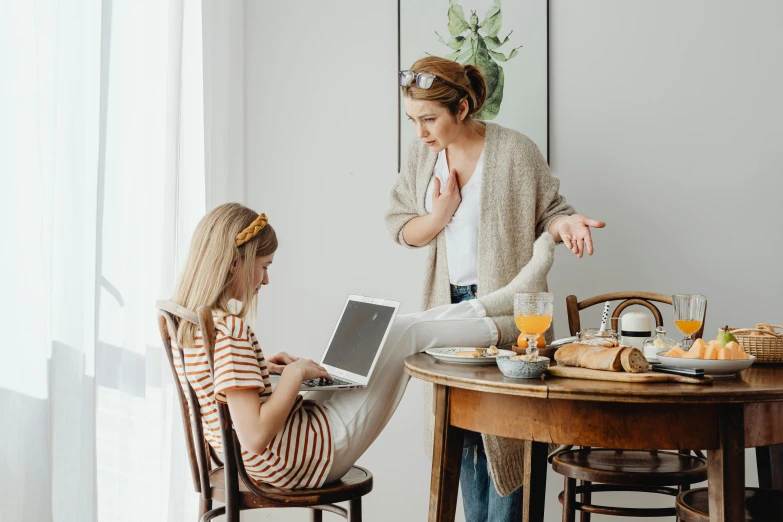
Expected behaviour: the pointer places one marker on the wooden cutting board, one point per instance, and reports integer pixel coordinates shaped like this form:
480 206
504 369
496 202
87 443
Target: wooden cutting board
645 377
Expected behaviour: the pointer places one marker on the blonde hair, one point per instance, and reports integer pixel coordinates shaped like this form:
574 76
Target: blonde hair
207 279
468 78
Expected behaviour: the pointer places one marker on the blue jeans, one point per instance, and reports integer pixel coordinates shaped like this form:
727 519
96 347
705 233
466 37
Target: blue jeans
480 499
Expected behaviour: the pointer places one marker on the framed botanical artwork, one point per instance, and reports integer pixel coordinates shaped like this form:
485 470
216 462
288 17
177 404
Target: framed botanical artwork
507 39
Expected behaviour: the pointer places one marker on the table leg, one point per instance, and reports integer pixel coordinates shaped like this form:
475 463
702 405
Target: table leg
726 467
534 487
776 466
769 462
446 461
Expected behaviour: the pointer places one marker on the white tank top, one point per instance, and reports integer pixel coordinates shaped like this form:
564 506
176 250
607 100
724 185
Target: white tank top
462 230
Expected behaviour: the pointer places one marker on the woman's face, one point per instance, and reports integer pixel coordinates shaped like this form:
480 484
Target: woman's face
260 275
433 122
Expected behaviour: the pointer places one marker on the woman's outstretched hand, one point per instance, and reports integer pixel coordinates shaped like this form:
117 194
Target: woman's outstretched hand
277 362
574 232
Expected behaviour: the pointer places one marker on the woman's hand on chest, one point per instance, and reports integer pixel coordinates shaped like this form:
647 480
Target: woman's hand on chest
445 204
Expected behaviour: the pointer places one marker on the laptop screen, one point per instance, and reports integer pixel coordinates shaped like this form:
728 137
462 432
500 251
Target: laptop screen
358 337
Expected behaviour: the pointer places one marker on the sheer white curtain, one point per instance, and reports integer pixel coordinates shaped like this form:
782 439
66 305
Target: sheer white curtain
102 165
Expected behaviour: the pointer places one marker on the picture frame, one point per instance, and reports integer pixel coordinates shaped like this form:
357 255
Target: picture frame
519 65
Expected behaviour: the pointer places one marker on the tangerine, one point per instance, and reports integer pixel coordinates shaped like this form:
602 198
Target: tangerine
522 341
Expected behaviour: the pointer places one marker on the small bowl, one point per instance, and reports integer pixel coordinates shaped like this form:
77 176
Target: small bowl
519 369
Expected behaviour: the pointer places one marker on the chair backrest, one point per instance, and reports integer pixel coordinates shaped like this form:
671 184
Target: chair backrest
234 464
646 299
199 450
200 453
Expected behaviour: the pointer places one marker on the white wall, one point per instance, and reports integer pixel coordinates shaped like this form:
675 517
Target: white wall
224 103
666 123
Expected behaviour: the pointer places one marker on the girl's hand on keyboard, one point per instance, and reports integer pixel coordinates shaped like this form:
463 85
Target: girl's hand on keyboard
310 369
277 362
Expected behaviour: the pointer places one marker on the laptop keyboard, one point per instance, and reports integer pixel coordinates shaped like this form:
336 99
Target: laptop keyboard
324 382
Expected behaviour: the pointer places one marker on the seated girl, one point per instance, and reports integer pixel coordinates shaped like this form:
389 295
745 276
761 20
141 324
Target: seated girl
289 442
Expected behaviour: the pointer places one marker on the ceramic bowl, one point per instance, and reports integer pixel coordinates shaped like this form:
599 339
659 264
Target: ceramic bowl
519 369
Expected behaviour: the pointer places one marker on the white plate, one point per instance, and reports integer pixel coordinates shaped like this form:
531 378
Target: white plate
710 366
450 355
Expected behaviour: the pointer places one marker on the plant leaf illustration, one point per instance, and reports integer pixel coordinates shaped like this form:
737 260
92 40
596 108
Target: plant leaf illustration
457 23
480 46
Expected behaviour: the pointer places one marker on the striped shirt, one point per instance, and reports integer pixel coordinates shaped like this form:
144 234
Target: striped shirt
301 453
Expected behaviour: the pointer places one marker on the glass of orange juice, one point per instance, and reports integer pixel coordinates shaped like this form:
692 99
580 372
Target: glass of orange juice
688 315
533 315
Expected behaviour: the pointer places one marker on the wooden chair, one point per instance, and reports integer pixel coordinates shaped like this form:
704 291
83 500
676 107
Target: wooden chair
764 503
761 505
664 472
219 480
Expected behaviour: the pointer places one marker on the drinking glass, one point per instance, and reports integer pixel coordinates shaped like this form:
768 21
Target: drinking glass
533 315
688 315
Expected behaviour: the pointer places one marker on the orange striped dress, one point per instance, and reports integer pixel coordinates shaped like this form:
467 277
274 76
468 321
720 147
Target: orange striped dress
301 453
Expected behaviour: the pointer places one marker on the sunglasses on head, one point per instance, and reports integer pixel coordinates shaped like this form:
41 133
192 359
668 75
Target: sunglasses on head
423 80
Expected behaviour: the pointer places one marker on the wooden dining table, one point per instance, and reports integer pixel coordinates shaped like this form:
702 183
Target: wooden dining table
723 418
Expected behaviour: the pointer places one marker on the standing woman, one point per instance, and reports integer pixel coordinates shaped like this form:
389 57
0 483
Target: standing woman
479 195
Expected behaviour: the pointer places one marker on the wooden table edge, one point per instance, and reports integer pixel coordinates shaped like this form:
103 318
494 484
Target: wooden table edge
534 388
546 388
652 398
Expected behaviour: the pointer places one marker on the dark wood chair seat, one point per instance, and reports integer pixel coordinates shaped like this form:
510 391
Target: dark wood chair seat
356 483
607 466
603 470
761 505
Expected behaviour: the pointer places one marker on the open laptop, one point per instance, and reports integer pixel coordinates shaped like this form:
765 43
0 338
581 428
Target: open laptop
355 345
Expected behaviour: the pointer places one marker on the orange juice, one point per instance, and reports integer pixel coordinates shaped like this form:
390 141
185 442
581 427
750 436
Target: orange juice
533 324
687 327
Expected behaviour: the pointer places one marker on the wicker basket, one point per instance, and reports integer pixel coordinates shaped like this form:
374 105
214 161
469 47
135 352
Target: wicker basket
768 349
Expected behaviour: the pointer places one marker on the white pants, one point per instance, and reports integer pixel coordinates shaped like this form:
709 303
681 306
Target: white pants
357 417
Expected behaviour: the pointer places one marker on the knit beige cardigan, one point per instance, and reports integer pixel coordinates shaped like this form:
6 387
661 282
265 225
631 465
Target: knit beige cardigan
519 199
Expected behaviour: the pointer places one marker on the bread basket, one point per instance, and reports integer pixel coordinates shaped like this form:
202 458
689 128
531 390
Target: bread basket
767 348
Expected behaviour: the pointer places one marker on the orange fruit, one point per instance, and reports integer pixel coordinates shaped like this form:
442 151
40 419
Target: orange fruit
522 341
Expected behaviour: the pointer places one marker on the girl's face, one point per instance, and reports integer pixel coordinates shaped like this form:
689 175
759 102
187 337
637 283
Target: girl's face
260 275
433 122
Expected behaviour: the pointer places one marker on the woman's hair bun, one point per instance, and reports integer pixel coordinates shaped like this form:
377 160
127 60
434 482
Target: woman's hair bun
478 86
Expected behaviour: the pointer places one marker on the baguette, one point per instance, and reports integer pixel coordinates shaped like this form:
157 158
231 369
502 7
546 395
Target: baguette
589 356
633 360
569 354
